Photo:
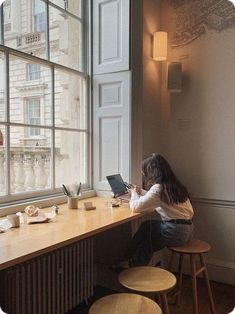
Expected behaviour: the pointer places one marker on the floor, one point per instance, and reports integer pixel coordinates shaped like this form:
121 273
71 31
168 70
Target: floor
224 297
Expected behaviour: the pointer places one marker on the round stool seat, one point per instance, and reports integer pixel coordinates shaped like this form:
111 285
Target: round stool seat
147 279
192 247
125 303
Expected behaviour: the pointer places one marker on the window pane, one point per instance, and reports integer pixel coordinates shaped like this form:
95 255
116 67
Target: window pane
30 160
25 25
2 85
2 161
24 93
70 100
72 162
65 39
33 71
39 16
7 16
72 6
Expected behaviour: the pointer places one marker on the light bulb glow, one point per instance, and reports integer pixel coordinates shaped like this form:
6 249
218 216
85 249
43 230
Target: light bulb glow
160 46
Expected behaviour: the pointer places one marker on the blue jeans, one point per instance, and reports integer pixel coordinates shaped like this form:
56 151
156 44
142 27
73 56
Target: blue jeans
154 235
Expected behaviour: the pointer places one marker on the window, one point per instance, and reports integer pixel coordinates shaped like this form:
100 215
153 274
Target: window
39 16
44 101
33 115
7 15
33 71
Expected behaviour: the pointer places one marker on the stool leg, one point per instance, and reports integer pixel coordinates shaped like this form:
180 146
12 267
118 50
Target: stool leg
164 302
173 254
158 299
206 277
194 283
178 298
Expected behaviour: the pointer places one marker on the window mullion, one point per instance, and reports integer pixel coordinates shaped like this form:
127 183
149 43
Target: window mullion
85 36
2 24
7 109
47 31
53 126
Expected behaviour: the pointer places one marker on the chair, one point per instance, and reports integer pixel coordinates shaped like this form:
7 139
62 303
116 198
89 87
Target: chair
149 280
194 248
124 303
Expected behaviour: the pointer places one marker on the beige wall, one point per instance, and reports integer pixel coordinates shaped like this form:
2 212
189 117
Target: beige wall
195 129
200 129
151 80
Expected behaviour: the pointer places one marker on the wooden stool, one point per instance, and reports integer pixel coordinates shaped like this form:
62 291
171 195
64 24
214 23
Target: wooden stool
193 248
151 280
124 303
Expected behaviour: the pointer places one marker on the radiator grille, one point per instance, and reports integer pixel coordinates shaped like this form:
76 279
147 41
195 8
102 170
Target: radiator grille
51 284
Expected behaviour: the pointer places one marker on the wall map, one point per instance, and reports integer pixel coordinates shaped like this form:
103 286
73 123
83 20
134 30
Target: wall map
193 18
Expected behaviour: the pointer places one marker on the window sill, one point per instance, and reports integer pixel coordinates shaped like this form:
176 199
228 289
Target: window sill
47 202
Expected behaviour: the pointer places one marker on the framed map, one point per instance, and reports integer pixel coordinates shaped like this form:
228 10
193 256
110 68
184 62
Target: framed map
193 18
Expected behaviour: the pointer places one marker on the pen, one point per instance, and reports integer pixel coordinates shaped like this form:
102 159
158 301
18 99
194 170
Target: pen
66 192
79 188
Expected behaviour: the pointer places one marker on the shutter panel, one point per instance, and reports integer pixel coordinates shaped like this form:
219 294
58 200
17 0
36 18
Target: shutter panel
111 121
110 36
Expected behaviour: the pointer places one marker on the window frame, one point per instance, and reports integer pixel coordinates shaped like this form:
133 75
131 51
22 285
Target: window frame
33 75
37 25
12 199
31 102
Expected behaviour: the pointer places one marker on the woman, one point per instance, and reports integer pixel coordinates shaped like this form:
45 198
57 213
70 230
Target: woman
170 199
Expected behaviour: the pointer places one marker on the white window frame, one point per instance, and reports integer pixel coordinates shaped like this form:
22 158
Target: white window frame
7 26
33 75
10 200
38 26
30 102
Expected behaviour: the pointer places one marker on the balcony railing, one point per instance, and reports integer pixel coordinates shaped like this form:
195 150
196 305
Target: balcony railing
30 168
30 38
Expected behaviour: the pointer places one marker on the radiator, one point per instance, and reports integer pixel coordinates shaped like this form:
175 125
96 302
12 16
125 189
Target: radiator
53 283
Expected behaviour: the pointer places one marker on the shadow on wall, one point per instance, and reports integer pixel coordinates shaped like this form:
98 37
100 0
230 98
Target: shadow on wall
197 123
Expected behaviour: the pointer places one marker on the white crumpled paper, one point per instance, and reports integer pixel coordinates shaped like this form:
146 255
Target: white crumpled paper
5 225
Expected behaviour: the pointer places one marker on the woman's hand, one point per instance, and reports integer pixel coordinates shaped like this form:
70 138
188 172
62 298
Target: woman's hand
136 188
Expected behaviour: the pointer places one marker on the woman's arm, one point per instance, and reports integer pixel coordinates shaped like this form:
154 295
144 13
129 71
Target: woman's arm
150 200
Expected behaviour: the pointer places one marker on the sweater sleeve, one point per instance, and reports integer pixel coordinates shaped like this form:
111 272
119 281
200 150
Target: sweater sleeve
150 200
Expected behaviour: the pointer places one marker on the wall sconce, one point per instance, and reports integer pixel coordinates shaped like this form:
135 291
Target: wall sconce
160 46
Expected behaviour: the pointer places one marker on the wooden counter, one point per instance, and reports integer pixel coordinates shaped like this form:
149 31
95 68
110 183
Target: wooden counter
21 244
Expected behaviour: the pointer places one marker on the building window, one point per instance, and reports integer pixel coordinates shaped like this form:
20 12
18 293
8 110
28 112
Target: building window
7 15
33 115
44 123
33 71
66 4
39 16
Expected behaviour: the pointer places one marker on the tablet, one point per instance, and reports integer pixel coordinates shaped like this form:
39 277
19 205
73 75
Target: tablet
117 185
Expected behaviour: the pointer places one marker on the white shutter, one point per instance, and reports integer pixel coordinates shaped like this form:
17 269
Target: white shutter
110 36
111 122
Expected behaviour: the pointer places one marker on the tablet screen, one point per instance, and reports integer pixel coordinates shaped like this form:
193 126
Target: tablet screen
117 184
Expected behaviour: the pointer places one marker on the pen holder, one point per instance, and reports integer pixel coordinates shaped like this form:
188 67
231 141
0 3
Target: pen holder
72 202
14 220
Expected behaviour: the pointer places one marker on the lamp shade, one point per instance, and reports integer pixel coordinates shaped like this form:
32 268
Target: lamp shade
160 46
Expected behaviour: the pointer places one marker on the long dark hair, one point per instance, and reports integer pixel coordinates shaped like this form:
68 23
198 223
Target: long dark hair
157 170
